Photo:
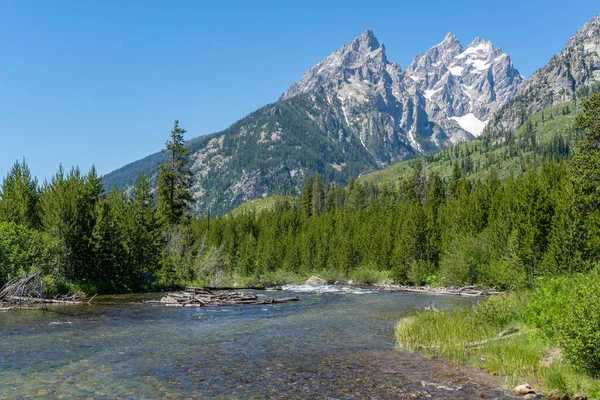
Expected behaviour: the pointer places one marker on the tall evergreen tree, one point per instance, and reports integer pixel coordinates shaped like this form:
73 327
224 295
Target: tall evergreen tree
307 197
318 196
586 161
174 180
143 230
19 197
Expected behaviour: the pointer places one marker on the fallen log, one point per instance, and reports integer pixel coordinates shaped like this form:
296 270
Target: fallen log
42 300
209 297
509 333
502 335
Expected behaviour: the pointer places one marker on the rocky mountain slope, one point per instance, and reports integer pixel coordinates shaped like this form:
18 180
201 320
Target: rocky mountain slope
351 113
450 91
465 85
575 67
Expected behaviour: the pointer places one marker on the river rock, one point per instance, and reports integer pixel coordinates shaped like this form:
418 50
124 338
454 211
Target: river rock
524 389
315 281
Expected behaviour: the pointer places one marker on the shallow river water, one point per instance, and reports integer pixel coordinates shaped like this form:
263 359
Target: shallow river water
333 343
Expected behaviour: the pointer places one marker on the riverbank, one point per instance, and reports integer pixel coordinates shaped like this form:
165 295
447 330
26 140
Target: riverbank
540 337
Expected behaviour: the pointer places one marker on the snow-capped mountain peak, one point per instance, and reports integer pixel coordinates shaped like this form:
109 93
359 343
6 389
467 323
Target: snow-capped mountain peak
465 85
453 87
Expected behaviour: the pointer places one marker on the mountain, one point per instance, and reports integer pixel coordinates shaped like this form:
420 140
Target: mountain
575 67
464 85
549 133
445 96
351 113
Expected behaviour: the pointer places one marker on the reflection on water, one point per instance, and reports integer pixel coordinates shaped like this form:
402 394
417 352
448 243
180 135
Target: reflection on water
331 344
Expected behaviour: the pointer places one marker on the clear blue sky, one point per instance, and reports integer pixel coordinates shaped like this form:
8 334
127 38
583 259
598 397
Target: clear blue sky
100 82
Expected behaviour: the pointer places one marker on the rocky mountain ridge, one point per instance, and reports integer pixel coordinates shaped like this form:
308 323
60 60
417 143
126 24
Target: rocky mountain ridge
453 90
355 112
465 84
575 67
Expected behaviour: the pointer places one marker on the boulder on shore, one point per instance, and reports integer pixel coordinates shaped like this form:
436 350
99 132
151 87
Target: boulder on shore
315 281
524 390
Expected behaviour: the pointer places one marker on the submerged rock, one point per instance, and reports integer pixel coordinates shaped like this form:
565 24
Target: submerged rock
315 281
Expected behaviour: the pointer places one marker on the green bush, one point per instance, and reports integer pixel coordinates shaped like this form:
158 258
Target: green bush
464 261
279 277
420 272
332 275
548 302
24 250
504 274
579 330
368 274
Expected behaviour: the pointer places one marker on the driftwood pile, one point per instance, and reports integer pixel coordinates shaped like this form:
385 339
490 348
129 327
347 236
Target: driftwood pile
467 291
204 297
27 290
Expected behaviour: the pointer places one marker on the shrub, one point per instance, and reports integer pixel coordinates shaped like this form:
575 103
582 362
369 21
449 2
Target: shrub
368 274
579 330
279 278
464 260
419 272
24 250
500 311
548 302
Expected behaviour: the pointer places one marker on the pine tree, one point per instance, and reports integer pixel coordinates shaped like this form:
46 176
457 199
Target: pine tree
144 235
19 197
435 200
110 263
84 193
567 237
307 197
454 179
318 196
174 180
586 161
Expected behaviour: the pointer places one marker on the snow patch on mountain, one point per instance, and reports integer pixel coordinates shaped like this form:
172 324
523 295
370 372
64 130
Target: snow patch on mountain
470 123
456 70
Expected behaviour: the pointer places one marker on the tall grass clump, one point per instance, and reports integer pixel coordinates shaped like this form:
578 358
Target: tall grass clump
548 336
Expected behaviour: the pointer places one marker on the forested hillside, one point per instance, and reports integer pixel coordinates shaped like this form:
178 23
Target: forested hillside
548 133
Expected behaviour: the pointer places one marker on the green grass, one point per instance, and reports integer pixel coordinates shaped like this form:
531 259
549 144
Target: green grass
521 358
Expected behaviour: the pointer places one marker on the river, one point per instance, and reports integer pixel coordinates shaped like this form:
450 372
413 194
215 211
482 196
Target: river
334 343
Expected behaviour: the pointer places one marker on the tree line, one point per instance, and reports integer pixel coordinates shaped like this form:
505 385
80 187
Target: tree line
83 237
420 230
